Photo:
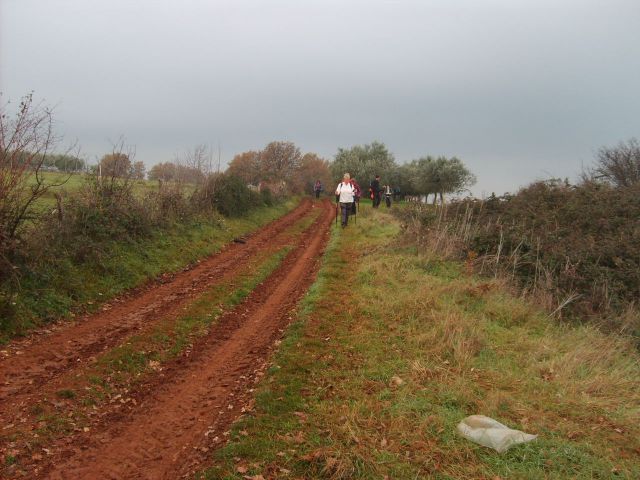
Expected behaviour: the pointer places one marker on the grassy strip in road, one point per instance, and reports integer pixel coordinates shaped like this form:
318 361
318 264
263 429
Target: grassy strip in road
173 338
176 337
460 345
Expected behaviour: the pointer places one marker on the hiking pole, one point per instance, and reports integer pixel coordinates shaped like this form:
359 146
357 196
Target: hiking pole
355 215
336 214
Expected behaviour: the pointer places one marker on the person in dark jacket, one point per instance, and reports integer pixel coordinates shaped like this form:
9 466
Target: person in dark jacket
374 188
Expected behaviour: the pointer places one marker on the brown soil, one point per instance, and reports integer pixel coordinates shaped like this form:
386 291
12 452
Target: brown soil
173 420
48 353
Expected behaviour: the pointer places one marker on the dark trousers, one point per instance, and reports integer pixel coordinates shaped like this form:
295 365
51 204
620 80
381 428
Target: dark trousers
317 193
387 200
345 210
376 199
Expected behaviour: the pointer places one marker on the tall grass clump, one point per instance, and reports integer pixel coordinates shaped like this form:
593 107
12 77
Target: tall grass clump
574 247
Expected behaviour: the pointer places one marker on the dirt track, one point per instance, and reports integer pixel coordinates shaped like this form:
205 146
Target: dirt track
179 415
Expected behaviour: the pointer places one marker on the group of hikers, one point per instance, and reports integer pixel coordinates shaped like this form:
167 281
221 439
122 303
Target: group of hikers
348 194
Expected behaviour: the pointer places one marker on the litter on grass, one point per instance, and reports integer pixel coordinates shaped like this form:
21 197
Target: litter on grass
491 433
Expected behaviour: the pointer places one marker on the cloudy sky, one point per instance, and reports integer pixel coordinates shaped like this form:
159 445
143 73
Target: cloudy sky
519 89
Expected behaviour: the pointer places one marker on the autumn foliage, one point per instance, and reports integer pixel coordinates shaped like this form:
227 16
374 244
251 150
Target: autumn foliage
280 163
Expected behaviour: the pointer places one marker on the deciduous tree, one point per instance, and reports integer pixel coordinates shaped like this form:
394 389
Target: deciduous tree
440 176
139 170
246 165
312 168
620 165
279 161
364 162
115 164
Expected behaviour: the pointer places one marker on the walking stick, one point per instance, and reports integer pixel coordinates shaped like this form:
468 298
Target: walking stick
336 214
355 216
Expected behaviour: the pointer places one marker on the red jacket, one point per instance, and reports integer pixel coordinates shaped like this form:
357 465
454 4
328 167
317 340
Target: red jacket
357 191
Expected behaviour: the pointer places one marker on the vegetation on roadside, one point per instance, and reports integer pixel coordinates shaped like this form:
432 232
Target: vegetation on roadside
458 345
573 247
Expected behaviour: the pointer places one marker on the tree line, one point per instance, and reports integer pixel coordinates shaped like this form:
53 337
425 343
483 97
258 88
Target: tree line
283 168
280 166
426 175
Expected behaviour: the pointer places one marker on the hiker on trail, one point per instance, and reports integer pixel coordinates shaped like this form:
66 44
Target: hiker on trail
357 192
344 194
388 193
396 193
318 188
374 188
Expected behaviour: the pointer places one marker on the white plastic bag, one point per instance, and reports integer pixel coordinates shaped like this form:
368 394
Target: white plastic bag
490 433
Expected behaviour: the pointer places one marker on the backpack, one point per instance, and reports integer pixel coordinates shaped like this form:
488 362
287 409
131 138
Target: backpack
356 189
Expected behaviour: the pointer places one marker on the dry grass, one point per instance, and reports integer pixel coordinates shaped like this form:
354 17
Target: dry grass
570 249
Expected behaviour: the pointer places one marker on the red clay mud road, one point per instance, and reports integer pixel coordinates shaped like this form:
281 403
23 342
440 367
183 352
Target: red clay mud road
184 413
42 358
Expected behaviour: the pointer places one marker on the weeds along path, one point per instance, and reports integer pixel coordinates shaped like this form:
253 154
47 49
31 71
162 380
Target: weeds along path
29 364
185 413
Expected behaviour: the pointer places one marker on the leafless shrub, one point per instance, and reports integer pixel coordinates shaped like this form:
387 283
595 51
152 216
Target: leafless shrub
619 165
194 165
26 139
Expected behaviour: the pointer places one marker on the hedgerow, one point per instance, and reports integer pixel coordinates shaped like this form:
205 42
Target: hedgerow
574 246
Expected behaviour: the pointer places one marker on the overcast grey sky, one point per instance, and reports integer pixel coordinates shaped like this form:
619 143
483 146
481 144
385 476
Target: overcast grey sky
519 89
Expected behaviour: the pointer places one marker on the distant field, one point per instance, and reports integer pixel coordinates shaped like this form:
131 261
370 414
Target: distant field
73 182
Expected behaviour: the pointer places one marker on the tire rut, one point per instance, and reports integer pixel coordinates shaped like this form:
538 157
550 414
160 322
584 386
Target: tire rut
183 415
48 354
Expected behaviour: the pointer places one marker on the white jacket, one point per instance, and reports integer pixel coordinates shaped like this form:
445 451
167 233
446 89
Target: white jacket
346 191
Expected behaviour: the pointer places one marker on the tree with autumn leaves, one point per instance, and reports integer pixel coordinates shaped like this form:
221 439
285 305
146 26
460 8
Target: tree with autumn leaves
281 162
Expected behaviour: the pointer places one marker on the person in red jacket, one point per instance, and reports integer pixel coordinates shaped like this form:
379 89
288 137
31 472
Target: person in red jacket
357 191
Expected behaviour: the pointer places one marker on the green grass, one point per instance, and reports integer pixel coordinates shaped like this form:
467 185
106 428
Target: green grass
462 346
68 394
66 184
66 287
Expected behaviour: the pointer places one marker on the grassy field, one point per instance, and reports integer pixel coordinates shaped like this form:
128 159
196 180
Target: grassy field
459 345
71 183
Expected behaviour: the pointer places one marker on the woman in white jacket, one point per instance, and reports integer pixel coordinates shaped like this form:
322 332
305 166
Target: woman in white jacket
345 193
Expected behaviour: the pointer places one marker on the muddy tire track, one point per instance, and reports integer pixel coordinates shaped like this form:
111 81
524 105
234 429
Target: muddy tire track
49 353
181 416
